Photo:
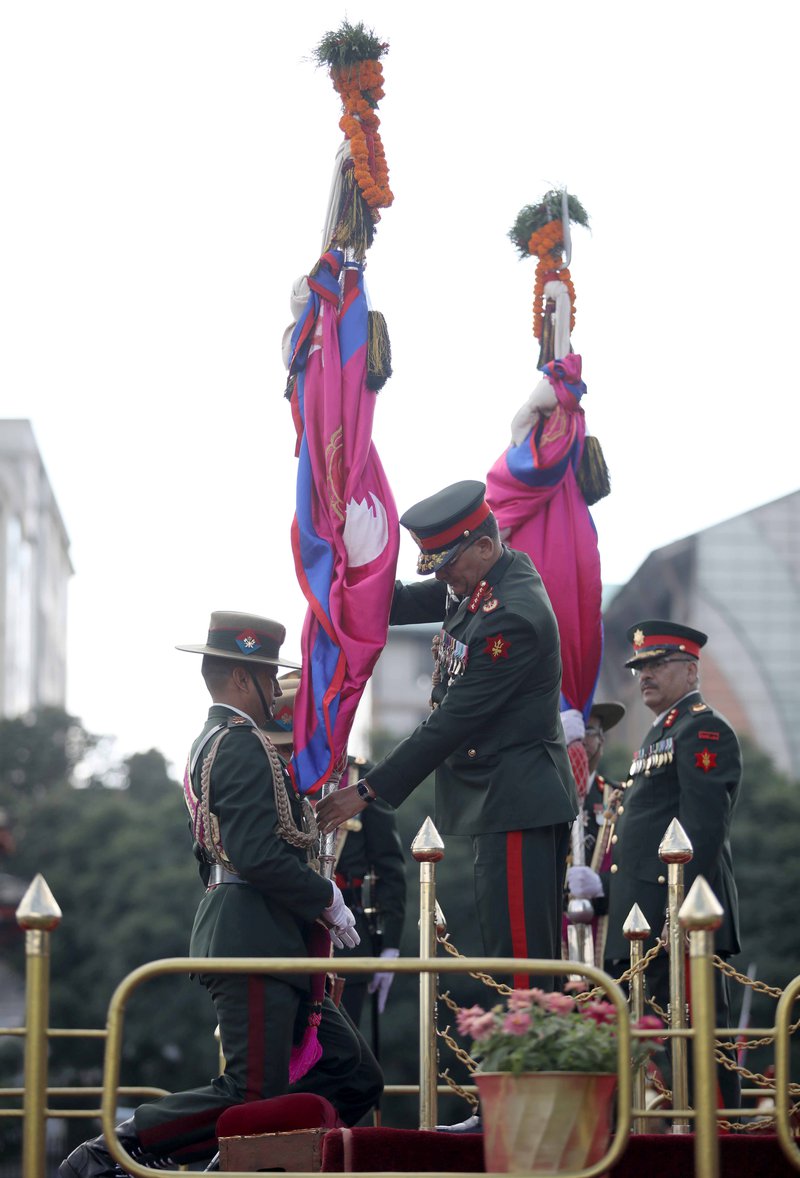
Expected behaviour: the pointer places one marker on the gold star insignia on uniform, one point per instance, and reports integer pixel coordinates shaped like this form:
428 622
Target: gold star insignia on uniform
705 760
638 637
497 647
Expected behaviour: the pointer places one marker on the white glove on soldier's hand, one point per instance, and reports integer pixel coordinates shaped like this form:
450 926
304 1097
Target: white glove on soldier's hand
341 922
574 727
583 883
382 981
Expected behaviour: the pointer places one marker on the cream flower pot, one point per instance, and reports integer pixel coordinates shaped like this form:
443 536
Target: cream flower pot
544 1122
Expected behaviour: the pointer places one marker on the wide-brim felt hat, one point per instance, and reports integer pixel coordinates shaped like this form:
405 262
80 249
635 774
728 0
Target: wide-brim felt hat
609 713
440 524
244 637
655 638
280 729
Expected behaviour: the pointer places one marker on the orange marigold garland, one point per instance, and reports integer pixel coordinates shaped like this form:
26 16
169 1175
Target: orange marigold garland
539 232
352 55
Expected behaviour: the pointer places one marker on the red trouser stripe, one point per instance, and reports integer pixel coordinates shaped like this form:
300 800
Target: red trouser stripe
255 1038
516 901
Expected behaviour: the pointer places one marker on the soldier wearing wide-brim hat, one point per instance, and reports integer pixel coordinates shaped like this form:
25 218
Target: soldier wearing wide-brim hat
494 737
255 840
689 767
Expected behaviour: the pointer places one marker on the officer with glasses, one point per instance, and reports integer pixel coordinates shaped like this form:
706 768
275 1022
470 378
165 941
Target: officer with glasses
689 767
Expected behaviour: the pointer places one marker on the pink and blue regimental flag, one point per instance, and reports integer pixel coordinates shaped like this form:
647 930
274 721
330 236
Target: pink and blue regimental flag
345 534
533 491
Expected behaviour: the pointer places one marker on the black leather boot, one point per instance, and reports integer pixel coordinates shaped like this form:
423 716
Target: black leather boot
92 1159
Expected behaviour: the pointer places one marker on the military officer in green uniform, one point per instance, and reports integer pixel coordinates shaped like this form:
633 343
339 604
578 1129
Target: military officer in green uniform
494 736
690 768
255 841
370 870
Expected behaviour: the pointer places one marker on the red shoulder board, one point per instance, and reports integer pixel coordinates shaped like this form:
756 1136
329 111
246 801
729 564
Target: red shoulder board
477 597
497 647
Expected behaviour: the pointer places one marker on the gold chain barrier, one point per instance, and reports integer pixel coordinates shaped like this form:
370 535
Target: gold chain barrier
39 915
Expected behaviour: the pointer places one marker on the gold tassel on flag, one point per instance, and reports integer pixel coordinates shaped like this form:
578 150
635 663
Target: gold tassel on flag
593 477
379 352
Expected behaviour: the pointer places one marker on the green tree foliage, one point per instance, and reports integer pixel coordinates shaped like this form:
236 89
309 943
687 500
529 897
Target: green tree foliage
119 864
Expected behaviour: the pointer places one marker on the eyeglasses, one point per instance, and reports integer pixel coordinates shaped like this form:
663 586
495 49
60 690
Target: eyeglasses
658 664
461 551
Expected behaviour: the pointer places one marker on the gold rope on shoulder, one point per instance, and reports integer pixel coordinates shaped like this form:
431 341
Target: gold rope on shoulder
286 828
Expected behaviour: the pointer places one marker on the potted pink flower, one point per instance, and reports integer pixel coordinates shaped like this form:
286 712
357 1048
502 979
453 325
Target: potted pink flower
546 1076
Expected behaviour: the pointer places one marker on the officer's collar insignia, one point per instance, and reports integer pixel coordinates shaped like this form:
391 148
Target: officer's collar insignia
490 604
248 642
705 760
670 718
481 591
497 647
638 637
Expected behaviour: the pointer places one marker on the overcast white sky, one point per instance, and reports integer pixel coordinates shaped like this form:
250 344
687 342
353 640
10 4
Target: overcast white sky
165 173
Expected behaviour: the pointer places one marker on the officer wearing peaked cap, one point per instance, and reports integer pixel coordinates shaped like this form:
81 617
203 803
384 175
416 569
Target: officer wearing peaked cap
255 841
689 767
494 737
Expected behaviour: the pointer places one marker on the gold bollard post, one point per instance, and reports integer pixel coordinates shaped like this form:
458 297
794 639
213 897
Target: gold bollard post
636 930
427 848
700 914
38 913
676 849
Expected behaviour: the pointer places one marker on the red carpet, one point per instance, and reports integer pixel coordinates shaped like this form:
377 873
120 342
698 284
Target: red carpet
658 1156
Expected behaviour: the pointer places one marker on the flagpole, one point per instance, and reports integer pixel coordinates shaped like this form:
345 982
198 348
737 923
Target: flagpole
327 842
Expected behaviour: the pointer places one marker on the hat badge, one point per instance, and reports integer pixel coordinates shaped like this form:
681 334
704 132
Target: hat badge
638 637
248 642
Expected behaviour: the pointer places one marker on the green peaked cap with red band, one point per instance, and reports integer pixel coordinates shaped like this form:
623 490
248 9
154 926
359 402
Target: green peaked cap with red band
655 638
441 523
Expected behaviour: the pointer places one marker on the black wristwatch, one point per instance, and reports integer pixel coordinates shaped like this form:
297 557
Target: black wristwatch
362 789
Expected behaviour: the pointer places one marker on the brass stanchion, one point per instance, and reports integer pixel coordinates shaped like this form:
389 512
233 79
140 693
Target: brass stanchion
700 914
38 913
427 848
676 849
636 930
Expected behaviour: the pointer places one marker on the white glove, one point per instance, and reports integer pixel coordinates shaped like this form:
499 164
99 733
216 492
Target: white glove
573 725
340 921
583 883
382 981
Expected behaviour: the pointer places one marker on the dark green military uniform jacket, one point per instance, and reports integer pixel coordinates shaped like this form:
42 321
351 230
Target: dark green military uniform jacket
495 739
270 914
689 768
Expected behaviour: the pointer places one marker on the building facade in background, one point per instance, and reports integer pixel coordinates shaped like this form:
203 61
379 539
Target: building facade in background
34 575
739 582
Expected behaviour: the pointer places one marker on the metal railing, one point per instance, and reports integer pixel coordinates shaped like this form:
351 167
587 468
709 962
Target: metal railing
698 915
